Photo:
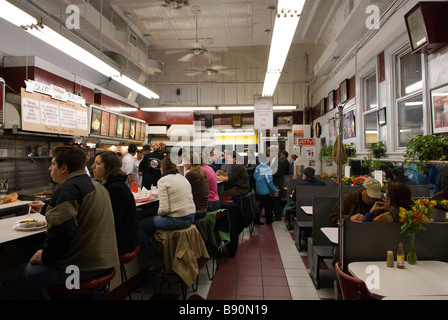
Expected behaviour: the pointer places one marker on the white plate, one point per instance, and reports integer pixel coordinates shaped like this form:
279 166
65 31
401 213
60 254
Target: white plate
19 228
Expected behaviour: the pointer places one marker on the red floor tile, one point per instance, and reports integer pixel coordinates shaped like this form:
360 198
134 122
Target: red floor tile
275 281
249 290
249 280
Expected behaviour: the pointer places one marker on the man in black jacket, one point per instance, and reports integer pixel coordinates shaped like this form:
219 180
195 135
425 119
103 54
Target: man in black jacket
308 180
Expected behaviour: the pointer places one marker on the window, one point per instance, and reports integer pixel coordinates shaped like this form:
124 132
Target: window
409 97
370 94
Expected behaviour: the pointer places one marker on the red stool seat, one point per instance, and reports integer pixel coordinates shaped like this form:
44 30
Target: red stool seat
87 287
128 256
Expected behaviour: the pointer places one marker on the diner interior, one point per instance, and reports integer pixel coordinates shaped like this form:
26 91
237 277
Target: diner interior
351 88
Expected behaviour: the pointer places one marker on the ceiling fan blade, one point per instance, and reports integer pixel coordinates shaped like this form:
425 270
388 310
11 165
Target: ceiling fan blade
216 49
187 57
193 74
218 67
175 51
227 72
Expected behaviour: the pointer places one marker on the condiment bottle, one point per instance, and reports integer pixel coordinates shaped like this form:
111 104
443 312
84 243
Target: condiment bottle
134 187
400 256
390 259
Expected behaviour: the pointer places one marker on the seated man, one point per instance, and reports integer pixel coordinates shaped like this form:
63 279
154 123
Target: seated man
238 179
357 203
80 230
399 176
309 179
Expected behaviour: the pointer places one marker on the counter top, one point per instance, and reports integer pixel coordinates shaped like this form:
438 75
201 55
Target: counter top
9 233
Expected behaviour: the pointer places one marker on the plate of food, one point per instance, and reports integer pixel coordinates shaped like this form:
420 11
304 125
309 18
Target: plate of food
30 225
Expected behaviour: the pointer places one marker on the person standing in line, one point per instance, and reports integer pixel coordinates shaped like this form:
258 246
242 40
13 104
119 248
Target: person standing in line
128 164
150 165
278 174
80 230
284 156
107 168
265 188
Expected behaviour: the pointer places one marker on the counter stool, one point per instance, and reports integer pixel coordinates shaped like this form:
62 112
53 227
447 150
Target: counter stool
205 228
125 258
89 287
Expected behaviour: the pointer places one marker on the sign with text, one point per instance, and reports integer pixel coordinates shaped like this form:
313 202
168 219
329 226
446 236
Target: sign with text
263 113
42 113
306 142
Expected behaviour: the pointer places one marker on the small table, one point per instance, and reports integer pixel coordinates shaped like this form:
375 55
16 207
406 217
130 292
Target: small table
307 209
426 278
332 234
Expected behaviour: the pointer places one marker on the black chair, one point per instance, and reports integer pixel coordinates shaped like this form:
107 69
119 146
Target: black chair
319 246
249 209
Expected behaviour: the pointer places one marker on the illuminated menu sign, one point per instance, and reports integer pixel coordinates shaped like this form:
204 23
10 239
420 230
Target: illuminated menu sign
42 113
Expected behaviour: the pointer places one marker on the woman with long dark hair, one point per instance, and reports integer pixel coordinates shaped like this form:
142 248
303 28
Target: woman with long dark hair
107 168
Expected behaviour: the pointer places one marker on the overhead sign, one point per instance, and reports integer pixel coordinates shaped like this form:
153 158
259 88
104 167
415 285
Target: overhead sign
42 113
263 113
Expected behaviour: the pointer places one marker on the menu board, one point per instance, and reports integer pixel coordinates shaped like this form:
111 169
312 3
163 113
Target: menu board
108 124
42 113
95 124
132 130
112 125
120 125
105 123
127 127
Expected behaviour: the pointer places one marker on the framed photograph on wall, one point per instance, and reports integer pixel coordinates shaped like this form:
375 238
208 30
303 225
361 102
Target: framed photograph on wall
330 101
439 109
343 91
349 125
382 116
322 106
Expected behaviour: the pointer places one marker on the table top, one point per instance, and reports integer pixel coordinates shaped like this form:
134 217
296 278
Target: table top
138 204
9 233
332 234
426 278
307 209
14 204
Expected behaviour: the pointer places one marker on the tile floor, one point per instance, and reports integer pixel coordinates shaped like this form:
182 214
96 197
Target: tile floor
267 266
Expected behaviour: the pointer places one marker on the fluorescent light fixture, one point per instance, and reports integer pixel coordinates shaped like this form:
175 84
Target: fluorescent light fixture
413 104
285 108
177 109
251 108
236 108
414 87
20 18
285 25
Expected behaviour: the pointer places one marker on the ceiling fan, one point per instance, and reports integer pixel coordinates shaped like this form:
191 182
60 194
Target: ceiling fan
174 4
209 71
196 49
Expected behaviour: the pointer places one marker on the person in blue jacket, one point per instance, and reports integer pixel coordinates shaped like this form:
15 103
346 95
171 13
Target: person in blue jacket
265 187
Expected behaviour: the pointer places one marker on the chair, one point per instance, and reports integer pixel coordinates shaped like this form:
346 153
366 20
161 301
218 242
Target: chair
125 258
207 231
88 288
249 209
319 246
184 253
352 288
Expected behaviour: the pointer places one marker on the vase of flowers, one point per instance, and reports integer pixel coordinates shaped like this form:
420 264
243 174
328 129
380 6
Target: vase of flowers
413 221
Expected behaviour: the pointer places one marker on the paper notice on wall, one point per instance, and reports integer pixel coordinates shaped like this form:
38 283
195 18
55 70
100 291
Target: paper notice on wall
347 171
263 113
379 176
49 114
30 110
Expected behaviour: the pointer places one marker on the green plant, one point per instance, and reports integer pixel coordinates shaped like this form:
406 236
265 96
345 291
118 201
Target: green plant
425 148
377 149
326 154
350 149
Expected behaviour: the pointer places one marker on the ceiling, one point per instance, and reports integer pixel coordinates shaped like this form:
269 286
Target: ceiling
198 41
